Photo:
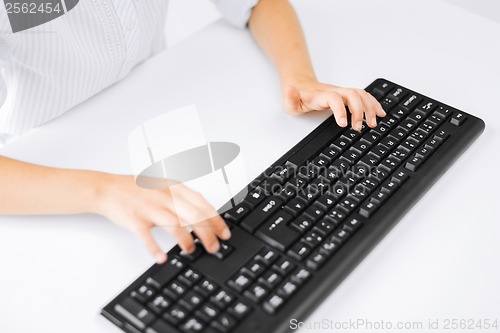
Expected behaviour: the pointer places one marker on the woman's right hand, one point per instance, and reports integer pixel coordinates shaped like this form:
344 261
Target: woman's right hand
139 210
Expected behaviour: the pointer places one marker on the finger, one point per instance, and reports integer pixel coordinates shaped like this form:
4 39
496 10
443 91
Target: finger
339 111
379 110
183 237
370 105
353 101
206 234
148 240
291 103
204 212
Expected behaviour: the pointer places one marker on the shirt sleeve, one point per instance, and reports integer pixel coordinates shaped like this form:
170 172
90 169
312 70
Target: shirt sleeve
236 12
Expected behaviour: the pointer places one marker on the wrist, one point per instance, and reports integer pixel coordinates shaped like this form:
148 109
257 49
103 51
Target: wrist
298 80
102 187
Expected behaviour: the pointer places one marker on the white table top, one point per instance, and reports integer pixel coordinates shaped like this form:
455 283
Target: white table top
439 262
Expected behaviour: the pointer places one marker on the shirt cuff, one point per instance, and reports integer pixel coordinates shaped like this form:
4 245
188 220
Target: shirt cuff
236 12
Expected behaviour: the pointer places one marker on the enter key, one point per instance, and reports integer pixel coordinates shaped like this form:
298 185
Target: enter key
277 233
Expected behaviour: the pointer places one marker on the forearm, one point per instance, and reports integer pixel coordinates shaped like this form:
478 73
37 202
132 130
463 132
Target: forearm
276 28
33 189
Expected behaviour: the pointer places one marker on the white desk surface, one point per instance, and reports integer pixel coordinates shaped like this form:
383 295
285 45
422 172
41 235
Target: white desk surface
439 262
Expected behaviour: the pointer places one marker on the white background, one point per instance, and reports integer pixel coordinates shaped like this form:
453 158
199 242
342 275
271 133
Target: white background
440 261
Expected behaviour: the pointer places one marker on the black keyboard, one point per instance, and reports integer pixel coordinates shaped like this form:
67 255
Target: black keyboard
306 222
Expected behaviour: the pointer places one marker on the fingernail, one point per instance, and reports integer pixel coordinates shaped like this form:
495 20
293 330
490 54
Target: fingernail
343 122
383 113
214 247
161 258
374 122
357 127
226 234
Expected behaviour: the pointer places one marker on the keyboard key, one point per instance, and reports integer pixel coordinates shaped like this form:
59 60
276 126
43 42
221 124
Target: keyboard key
390 163
221 299
165 273
389 142
389 187
261 213
270 279
414 163
174 290
207 312
408 124
135 313
224 323
224 250
254 198
331 152
143 293
314 212
175 314
340 235
379 151
441 135
191 257
341 144
426 106
381 89
254 268
191 325
410 144
299 251
324 227
368 209
316 260
400 153
300 276
423 153
325 202
189 277
399 133
387 104
240 282
458 119
400 177
273 303
276 232
205 287
335 215
236 213
302 224
398 94
295 206
411 102
191 300
256 292
239 310
283 266
159 304
160 326
312 238
379 198
352 224
329 247
287 289
266 256
428 126
400 112
361 146
308 194
444 111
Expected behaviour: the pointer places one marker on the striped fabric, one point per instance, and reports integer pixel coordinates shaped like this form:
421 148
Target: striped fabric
48 69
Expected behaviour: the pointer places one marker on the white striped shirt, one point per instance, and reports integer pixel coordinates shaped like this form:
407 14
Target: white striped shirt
48 69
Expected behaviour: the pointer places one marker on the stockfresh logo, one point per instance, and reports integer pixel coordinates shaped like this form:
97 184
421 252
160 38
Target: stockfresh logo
27 14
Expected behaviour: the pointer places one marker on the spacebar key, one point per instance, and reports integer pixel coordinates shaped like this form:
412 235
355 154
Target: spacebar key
277 233
261 213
